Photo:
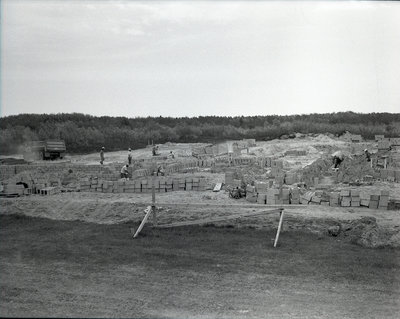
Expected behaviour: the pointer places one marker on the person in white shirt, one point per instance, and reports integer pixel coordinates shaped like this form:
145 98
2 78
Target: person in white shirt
124 171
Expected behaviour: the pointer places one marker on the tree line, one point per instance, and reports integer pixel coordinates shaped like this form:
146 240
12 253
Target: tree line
85 133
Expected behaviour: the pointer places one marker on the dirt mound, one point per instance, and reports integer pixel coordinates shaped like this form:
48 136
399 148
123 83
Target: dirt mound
320 167
322 138
355 168
100 212
367 233
352 169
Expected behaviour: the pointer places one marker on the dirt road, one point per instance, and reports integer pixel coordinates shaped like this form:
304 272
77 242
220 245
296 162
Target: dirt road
61 268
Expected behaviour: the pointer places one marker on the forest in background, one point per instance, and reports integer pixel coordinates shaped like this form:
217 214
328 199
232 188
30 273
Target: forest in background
85 133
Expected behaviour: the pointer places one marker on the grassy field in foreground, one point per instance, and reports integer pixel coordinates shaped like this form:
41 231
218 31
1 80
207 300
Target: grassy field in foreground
55 268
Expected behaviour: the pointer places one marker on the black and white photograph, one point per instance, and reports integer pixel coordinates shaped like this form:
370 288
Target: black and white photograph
200 159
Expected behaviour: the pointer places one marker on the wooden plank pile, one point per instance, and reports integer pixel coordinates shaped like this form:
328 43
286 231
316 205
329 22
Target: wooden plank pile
291 178
305 198
272 197
277 170
384 144
356 138
143 185
263 186
49 191
383 200
243 160
263 194
344 198
296 153
373 201
268 161
334 199
294 196
251 194
355 198
390 174
229 177
12 190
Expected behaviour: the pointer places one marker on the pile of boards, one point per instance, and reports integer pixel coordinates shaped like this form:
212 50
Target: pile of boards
161 185
346 198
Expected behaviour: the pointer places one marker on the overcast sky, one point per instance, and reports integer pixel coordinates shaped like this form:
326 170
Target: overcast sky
176 58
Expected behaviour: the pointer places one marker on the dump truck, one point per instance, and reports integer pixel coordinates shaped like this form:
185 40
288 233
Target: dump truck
44 150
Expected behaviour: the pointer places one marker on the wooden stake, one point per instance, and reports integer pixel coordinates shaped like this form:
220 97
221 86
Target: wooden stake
279 228
148 212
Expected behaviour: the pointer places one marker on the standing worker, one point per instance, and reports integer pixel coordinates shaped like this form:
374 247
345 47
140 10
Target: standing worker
367 155
124 171
102 155
129 156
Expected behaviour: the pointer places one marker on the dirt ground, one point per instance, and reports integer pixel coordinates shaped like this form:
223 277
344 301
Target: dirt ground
77 269
114 208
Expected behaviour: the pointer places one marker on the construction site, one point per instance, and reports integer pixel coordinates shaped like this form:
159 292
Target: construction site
200 159
229 203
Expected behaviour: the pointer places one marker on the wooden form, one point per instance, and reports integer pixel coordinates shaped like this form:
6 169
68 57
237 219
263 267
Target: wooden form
213 205
152 208
49 191
219 219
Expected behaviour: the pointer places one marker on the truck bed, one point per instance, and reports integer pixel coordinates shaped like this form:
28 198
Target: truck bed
55 146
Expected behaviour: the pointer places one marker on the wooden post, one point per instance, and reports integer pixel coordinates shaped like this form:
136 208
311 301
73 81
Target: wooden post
279 227
153 201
